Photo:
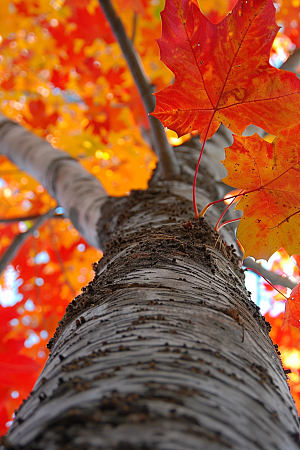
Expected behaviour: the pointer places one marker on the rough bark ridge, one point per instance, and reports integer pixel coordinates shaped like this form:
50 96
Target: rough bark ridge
164 350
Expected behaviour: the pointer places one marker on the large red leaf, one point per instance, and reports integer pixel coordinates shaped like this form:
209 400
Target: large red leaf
222 72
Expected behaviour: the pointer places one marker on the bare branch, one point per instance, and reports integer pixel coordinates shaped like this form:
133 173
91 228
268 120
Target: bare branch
74 188
167 160
19 240
25 218
273 277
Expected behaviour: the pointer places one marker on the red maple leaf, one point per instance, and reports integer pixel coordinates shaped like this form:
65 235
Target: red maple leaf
222 71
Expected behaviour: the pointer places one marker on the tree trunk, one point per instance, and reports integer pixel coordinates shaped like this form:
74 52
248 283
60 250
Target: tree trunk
164 350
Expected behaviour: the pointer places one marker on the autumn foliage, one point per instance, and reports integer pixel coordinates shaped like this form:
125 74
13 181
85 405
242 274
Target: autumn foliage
271 205
63 76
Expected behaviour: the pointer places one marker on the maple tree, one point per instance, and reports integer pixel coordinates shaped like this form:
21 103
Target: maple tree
63 76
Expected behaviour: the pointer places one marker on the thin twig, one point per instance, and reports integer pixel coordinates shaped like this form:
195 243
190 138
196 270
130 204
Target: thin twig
25 218
20 240
273 277
268 281
168 163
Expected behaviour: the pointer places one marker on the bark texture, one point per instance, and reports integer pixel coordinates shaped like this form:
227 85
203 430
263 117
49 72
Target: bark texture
164 350
74 188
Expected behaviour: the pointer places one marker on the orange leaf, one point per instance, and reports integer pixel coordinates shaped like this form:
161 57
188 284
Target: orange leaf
222 72
272 172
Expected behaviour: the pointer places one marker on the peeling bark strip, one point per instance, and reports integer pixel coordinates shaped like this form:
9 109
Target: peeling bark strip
74 188
164 350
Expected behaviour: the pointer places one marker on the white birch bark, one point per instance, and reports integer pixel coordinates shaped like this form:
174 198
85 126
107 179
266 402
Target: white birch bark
74 188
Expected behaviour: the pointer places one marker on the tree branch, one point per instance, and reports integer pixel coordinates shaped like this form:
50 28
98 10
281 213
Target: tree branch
168 163
19 240
273 277
74 188
25 218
